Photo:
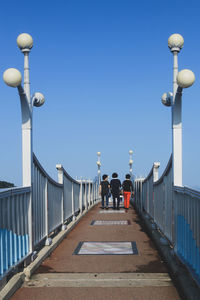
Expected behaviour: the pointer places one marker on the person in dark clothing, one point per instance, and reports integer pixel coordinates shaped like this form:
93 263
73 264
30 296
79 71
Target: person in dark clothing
115 185
127 186
104 190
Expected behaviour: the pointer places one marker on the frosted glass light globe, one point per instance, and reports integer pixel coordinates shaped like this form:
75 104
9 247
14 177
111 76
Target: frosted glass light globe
12 77
25 41
175 41
185 78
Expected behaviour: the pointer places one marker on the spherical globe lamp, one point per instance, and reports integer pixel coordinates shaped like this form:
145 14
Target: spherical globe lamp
175 42
12 77
167 99
38 99
185 78
25 41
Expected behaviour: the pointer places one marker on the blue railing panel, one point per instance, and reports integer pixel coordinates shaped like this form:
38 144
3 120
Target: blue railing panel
29 214
13 248
14 229
187 248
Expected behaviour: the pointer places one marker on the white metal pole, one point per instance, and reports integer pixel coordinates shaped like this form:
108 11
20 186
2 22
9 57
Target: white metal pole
89 193
156 166
176 126
13 78
27 143
81 197
59 168
182 79
25 43
175 43
26 111
99 167
27 150
85 196
26 76
131 162
73 204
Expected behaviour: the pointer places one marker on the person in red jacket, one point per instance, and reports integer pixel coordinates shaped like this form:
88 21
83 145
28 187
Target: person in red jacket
127 186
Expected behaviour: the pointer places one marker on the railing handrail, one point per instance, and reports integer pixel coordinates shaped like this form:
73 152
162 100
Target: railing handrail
66 174
149 175
176 214
166 171
42 170
14 191
187 191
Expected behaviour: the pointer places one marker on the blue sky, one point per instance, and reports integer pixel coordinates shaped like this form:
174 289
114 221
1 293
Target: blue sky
102 66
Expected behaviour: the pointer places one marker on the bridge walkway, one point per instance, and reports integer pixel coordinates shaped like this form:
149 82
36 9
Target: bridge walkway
137 272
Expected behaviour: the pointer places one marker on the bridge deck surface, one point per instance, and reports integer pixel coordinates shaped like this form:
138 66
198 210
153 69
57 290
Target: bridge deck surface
65 275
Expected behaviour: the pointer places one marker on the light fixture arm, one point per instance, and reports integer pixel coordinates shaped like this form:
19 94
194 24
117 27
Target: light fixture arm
26 110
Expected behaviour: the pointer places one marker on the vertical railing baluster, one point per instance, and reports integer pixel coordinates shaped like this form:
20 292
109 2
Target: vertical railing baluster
48 239
81 197
88 193
73 206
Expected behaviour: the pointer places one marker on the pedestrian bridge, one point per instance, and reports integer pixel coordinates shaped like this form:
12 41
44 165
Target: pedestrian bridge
55 241
67 215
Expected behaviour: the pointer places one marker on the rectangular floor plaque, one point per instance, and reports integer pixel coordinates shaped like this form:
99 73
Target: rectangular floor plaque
111 211
106 248
111 204
103 222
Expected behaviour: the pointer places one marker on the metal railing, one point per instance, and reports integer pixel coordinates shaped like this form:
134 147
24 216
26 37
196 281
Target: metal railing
176 212
187 226
147 194
47 203
15 229
163 202
29 215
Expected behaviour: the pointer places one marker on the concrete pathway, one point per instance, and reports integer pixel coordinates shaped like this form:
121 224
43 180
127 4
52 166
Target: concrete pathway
65 275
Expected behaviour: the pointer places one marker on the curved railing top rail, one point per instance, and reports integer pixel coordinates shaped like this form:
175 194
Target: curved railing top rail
60 167
14 191
42 170
149 175
166 171
187 191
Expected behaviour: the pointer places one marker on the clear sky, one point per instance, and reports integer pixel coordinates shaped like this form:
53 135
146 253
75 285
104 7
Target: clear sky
103 66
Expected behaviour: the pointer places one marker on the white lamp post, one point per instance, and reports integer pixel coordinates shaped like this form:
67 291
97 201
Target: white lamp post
183 79
99 166
131 162
12 77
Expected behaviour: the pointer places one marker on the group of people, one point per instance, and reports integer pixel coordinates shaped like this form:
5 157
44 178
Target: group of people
115 188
